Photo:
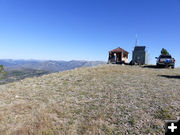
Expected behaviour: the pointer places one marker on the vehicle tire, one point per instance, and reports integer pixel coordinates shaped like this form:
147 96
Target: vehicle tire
172 67
157 65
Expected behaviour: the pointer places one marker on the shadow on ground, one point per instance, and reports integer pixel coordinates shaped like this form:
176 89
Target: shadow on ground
170 76
150 66
154 66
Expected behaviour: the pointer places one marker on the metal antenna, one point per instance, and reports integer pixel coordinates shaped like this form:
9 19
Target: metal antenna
136 40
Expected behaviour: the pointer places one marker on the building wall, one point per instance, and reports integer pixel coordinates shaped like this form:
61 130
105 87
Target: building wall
118 57
140 57
125 59
147 58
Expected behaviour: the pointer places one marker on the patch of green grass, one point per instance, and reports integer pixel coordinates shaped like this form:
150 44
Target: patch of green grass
48 132
132 121
146 130
164 114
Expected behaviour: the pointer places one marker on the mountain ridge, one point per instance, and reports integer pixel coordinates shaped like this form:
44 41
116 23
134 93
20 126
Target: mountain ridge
20 69
47 65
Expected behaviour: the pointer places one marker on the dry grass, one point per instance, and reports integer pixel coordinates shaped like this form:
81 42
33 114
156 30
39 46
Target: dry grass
108 99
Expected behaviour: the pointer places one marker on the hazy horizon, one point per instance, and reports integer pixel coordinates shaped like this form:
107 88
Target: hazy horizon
51 60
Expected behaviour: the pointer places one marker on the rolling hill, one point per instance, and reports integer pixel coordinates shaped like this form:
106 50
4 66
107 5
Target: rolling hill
107 99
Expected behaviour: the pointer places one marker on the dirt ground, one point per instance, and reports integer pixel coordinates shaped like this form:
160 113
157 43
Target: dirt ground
107 99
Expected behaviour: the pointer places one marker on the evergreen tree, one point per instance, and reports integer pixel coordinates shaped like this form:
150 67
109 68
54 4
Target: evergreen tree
164 52
2 73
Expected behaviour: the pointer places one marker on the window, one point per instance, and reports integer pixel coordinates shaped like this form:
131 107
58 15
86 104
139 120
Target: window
125 55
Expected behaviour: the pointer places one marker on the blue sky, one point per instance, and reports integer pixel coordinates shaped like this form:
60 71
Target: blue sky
87 29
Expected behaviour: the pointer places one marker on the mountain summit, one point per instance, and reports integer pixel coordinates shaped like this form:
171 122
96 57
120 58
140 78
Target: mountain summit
107 99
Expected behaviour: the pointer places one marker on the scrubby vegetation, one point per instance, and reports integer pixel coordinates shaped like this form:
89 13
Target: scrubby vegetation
10 75
2 72
164 52
108 99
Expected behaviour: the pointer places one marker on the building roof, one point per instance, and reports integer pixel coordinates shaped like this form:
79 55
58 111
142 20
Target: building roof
139 48
118 50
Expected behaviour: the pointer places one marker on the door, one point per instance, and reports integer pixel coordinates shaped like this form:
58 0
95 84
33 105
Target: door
118 57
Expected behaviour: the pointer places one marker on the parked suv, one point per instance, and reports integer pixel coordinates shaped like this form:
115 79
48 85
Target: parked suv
165 61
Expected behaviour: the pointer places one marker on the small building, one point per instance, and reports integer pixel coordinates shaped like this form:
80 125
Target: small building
140 55
118 56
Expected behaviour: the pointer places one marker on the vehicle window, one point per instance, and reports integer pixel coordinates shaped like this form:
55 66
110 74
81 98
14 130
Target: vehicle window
163 56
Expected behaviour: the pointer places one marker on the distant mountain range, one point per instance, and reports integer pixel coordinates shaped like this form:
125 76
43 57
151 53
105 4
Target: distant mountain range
47 65
20 69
